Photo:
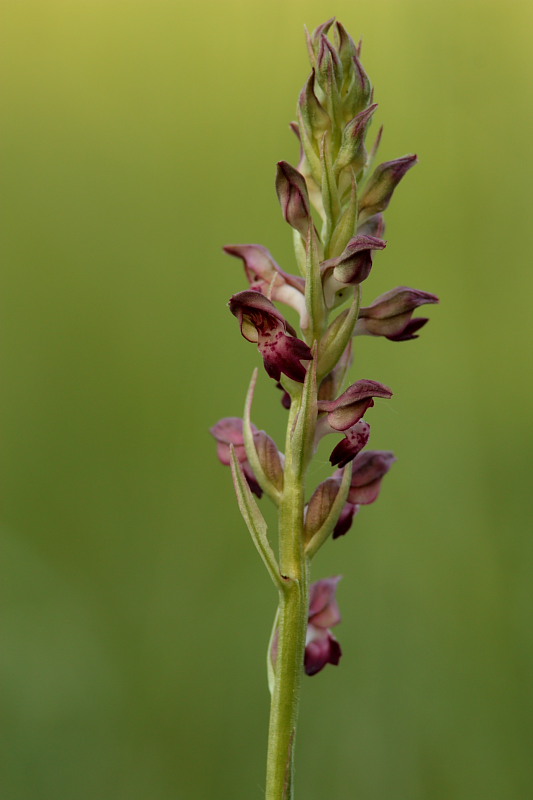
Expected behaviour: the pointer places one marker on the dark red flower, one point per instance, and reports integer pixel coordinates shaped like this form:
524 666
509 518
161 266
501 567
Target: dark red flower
352 404
228 431
390 314
321 647
350 268
262 323
369 469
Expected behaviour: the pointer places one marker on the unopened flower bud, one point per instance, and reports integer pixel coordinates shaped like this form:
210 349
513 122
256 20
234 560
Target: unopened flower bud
352 151
314 39
347 51
381 185
314 116
390 315
293 197
329 70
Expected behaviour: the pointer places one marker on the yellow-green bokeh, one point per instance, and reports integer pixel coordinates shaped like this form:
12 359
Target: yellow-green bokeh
138 137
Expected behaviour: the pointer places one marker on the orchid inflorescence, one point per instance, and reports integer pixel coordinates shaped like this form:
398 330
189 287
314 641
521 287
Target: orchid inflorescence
334 201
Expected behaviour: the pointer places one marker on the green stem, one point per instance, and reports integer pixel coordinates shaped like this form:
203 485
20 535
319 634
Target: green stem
294 603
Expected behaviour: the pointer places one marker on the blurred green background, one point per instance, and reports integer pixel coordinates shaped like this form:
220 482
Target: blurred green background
138 137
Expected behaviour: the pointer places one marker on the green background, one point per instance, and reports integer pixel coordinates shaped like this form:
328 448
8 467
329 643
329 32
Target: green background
138 137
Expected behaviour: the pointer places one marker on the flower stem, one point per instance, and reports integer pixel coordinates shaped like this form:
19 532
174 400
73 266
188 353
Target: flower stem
285 699
292 612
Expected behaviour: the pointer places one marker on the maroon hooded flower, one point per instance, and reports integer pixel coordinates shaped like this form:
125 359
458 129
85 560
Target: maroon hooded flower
261 322
351 267
352 404
267 277
390 315
228 431
369 469
321 647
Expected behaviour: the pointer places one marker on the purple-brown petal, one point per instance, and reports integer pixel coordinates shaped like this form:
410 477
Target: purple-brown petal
354 264
352 404
369 468
323 609
345 520
255 311
320 650
227 432
282 353
390 315
410 330
267 277
286 398
355 439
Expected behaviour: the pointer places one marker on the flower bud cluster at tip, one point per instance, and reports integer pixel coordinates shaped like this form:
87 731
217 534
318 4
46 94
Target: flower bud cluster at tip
334 200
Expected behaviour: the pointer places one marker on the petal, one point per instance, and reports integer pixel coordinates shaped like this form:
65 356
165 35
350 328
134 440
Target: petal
368 470
323 609
251 479
282 353
254 309
354 264
345 520
321 650
267 277
286 398
397 301
355 439
409 331
229 430
352 404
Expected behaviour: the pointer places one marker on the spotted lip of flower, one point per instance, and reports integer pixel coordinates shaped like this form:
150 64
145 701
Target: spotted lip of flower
355 438
347 410
263 324
369 468
321 647
267 277
390 315
227 432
